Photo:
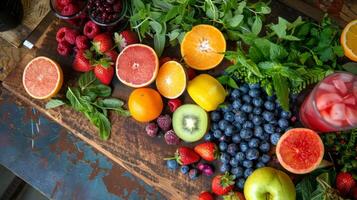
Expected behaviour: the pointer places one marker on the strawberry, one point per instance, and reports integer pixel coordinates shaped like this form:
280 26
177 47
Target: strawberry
344 182
185 156
174 104
61 33
125 38
102 43
64 49
222 184
208 151
81 61
91 29
206 196
82 42
104 71
234 196
71 36
112 54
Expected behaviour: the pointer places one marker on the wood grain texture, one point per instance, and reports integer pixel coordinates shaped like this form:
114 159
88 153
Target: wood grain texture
34 12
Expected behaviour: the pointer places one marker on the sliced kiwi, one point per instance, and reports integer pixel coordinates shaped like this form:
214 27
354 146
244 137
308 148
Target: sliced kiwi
190 122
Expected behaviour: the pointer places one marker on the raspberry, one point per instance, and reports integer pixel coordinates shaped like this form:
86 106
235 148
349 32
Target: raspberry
171 138
60 35
63 2
69 10
344 182
164 122
174 104
91 29
63 48
70 36
82 42
152 129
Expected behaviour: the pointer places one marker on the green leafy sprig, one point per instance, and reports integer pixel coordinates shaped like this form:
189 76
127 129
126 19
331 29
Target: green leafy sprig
93 100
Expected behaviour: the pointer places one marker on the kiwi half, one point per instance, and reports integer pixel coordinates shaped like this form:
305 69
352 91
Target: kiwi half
190 122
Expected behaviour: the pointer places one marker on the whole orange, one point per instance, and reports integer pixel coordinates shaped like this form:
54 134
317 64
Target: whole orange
145 104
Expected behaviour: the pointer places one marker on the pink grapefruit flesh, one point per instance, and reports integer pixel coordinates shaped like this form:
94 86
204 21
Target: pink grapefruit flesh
42 78
300 150
137 65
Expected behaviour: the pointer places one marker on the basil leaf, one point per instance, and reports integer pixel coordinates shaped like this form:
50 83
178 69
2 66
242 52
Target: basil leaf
86 79
100 90
112 103
281 88
235 21
280 28
53 103
73 97
257 25
102 122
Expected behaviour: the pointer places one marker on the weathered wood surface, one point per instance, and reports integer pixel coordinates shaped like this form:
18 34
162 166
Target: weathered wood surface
128 145
34 12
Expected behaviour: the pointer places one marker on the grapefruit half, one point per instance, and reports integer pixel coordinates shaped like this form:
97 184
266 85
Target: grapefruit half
300 150
42 78
137 65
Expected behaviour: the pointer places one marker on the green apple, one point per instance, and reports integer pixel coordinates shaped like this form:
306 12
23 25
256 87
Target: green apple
269 183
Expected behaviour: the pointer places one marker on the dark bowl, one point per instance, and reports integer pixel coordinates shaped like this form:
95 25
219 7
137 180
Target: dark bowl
120 19
81 8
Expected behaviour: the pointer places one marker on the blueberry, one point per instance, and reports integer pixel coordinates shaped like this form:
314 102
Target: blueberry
244 89
252 154
248 124
240 117
285 115
235 94
265 158
250 116
224 167
254 93
238 126
269 105
259 165
246 98
214 126
274 138
217 133
229 116
215 116
237 171
253 143
243 146
240 183
257 102
236 138
268 116
269 128
193 174
265 137
224 138
257 111
248 172
233 162
227 108
264 147
254 86
247 163
229 130
232 149
283 123
258 131
247 108
209 136
271 98
171 164
240 156
223 146
223 124
246 133
257 120
224 158
237 104
184 169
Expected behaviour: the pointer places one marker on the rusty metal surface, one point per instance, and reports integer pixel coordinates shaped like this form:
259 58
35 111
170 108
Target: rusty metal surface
56 163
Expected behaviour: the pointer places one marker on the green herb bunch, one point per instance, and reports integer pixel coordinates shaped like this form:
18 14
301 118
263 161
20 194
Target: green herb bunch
92 99
169 20
290 56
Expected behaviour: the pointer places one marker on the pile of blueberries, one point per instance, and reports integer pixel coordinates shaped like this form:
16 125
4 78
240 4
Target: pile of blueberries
245 129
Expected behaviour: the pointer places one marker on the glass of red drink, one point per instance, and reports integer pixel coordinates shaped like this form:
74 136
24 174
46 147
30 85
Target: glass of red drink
332 104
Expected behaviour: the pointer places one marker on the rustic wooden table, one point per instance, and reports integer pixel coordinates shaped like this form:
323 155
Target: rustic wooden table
128 145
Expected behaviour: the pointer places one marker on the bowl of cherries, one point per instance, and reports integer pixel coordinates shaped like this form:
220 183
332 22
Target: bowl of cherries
107 12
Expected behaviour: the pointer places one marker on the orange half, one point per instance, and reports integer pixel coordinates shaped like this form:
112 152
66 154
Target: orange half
171 80
349 40
203 47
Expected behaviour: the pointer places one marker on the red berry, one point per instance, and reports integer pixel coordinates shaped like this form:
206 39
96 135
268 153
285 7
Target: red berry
164 122
82 42
69 10
171 138
91 29
112 54
191 73
63 48
205 196
70 36
61 33
152 129
174 104
64 2
344 182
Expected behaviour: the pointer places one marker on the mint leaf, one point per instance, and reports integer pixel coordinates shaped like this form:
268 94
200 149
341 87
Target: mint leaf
223 79
280 28
102 122
235 21
100 90
86 79
232 83
159 43
281 88
350 67
257 25
53 103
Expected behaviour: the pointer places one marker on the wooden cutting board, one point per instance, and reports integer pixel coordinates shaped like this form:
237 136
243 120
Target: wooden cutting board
34 12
